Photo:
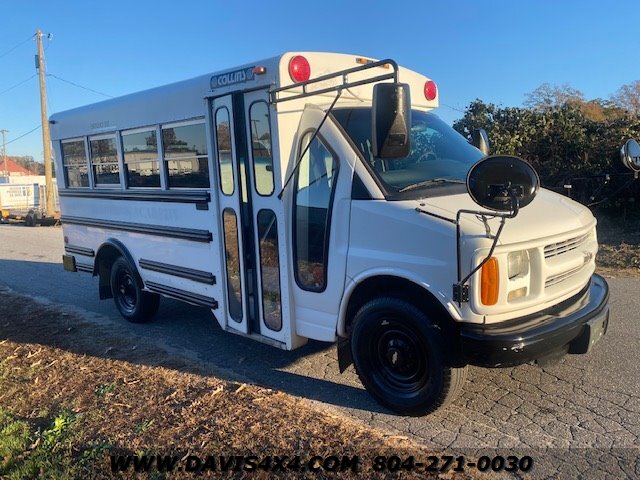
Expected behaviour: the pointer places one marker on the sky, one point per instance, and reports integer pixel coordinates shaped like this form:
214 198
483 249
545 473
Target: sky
497 51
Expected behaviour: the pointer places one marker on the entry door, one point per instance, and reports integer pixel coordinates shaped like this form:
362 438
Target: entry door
269 242
232 201
252 216
320 199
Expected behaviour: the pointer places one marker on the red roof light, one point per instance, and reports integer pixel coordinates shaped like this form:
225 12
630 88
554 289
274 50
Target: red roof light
299 69
430 90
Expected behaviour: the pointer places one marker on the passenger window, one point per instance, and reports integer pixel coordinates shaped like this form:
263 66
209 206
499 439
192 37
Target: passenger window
74 161
261 148
185 153
315 185
232 253
223 147
104 161
141 165
269 269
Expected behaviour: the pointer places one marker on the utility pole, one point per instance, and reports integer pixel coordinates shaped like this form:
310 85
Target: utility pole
46 137
4 151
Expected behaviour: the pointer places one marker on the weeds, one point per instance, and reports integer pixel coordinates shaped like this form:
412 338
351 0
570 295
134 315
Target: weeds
27 453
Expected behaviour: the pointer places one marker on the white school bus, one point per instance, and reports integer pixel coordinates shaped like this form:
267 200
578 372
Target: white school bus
317 196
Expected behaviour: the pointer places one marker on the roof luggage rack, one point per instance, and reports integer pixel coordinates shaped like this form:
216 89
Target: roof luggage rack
274 94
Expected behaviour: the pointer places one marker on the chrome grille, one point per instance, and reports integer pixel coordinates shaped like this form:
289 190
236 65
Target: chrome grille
562 276
554 249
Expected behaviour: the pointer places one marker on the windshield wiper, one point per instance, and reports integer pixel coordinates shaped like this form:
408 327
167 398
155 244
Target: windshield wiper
426 183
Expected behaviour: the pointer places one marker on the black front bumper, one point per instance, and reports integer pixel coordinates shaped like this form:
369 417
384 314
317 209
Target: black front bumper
573 325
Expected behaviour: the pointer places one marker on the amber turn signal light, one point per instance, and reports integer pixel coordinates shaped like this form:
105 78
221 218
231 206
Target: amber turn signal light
490 282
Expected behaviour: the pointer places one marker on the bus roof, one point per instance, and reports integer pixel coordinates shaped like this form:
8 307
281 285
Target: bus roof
186 99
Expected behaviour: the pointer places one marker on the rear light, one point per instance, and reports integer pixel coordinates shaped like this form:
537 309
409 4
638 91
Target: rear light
299 69
430 90
490 282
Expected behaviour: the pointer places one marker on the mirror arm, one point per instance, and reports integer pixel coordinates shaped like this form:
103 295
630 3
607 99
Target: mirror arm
313 137
460 289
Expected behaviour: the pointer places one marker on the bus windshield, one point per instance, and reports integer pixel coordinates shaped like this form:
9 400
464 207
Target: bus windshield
439 155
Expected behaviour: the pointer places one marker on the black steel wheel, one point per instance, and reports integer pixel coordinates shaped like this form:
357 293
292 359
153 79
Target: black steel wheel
134 304
397 352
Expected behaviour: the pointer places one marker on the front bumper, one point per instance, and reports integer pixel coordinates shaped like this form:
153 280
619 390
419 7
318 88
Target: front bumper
573 325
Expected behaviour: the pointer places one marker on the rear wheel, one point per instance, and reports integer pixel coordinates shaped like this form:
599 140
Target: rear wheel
134 304
397 352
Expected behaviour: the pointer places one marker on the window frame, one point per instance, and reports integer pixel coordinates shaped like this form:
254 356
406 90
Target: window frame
164 168
86 161
159 159
294 223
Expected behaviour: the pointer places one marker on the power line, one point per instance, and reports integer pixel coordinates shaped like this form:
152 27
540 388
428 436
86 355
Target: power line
24 135
17 84
13 48
452 108
79 86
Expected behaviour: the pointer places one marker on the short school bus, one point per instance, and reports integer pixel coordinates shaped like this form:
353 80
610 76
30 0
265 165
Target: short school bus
300 198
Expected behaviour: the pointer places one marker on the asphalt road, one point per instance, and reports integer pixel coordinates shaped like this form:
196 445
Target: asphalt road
580 417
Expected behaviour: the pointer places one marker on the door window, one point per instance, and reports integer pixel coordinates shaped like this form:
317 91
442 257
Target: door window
261 148
232 252
269 269
315 186
223 146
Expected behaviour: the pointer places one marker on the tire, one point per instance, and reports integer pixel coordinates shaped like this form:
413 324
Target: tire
134 304
29 220
398 355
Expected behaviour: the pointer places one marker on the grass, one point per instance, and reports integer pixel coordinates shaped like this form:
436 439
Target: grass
27 452
619 246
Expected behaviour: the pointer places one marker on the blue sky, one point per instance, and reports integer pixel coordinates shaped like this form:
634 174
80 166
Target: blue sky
494 50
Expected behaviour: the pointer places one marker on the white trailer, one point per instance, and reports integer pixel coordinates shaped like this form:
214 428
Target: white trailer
25 201
316 196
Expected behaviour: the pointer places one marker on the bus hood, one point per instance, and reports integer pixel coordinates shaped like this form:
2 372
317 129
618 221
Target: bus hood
548 214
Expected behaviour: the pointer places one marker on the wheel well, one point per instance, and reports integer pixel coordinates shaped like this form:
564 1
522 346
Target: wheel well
390 286
107 254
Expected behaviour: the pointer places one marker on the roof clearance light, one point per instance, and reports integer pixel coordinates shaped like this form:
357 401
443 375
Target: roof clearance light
430 90
259 70
299 69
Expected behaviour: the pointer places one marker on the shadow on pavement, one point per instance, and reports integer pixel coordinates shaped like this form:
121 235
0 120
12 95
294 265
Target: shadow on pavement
189 333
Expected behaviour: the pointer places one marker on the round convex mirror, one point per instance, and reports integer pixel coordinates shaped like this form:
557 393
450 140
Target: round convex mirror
493 181
630 154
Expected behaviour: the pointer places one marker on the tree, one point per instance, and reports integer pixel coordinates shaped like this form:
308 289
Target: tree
628 97
549 96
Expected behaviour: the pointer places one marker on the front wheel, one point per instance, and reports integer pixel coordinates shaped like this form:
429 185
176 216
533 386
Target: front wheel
397 352
134 304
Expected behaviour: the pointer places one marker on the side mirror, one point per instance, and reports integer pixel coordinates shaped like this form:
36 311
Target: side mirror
630 154
391 120
502 183
480 140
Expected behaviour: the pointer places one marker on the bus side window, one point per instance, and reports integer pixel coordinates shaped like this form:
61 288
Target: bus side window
315 185
141 164
104 160
74 162
185 153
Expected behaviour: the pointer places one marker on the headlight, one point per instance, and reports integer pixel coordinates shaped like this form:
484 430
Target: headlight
518 263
